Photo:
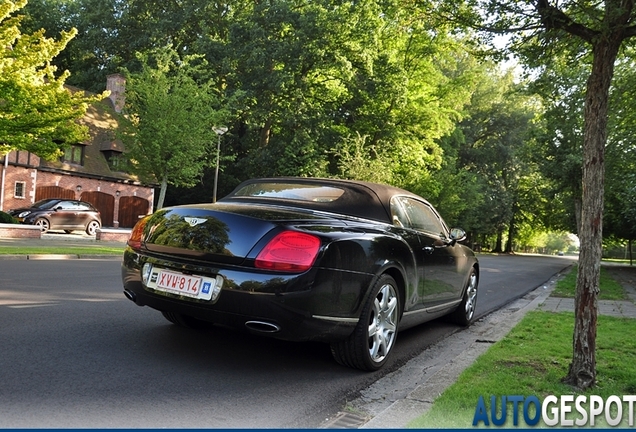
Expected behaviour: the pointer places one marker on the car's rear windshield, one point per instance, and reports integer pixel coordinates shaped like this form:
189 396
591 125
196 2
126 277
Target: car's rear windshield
291 191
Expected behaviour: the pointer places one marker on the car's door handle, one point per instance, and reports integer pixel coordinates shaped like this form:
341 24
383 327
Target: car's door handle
428 249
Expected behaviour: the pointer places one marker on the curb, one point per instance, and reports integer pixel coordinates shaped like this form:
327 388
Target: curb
406 394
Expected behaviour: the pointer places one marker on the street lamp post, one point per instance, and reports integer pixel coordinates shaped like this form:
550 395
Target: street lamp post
219 131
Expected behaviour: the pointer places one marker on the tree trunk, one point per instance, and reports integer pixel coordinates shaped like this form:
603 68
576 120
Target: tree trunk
511 232
577 213
582 372
162 193
265 134
498 246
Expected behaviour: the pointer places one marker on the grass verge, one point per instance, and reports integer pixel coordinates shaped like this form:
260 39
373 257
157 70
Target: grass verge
531 360
62 250
609 288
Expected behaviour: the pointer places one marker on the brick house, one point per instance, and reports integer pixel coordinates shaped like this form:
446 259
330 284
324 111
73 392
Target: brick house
87 170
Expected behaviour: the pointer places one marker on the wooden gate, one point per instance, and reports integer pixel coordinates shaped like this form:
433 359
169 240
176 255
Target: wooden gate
45 192
130 208
103 202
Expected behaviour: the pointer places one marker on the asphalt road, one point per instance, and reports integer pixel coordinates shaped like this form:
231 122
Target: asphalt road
76 354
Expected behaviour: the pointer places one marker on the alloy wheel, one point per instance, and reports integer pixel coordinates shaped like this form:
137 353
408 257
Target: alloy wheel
471 297
383 323
92 227
43 224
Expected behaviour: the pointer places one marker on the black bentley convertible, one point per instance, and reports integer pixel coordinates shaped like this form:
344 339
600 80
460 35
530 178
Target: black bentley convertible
344 262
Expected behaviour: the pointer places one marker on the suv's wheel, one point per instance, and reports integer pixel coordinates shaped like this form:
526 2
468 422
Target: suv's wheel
372 341
43 224
92 227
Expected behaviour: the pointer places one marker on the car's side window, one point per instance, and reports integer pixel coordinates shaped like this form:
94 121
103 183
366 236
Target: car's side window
421 217
69 205
398 215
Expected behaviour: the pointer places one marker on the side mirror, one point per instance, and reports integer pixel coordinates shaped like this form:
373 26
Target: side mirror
457 234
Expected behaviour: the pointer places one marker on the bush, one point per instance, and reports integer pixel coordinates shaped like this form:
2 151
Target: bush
7 218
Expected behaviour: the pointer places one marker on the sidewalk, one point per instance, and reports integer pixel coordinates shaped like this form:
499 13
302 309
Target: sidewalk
620 309
396 399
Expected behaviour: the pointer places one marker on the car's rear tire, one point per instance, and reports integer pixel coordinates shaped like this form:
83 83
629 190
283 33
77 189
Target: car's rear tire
43 223
372 341
92 227
185 320
465 312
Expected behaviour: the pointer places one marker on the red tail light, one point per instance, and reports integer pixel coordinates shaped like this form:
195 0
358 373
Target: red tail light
135 236
290 251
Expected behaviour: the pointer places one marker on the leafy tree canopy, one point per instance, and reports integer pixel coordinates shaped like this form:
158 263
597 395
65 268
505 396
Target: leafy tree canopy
37 112
169 120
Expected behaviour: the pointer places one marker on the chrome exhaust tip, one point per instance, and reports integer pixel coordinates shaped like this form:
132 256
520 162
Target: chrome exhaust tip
262 327
130 295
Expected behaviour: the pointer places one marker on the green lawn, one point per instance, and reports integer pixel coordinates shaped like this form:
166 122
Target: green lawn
531 360
609 288
63 250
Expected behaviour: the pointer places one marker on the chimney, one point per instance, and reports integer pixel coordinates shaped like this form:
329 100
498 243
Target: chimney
116 84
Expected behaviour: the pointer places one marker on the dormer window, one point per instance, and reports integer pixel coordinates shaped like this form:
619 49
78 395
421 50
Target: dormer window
115 160
74 154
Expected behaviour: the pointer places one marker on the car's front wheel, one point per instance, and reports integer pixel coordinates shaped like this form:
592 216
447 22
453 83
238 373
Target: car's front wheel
465 312
92 227
372 341
43 223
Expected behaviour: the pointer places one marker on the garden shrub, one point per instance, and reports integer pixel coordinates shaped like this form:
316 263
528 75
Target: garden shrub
7 218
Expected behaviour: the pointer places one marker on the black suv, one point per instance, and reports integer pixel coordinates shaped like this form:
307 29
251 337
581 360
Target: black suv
60 214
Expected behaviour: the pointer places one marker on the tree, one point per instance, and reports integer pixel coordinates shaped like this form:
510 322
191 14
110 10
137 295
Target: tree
37 112
111 32
619 219
302 79
169 120
354 161
561 86
604 30
492 144
594 31
313 76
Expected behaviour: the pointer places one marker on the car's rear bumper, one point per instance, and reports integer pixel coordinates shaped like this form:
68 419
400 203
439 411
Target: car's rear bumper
323 306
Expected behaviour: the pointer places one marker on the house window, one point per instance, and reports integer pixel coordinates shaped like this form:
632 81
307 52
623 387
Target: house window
20 190
115 160
74 154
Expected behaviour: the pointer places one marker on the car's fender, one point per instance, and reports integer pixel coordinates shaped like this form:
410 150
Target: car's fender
374 254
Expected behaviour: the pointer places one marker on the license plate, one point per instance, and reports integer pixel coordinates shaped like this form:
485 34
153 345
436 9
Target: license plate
198 287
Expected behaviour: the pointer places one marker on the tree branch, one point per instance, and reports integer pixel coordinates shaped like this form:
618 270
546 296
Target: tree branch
630 31
553 18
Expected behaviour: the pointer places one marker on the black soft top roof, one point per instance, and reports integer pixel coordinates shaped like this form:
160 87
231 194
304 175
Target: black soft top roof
359 199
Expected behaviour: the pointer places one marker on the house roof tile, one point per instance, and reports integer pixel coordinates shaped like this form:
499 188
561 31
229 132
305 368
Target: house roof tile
102 122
